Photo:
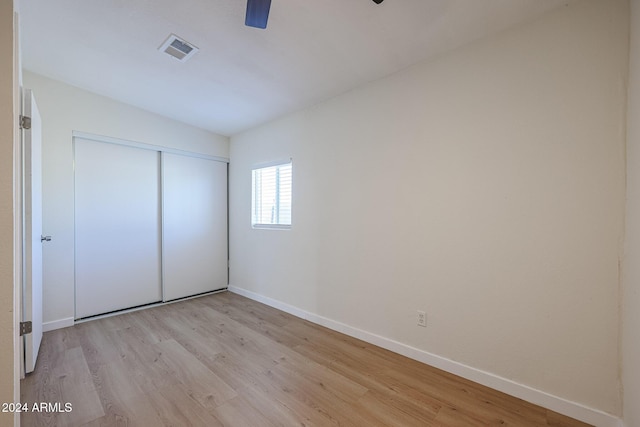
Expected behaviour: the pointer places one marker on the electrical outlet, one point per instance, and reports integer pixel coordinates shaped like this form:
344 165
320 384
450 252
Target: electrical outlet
422 318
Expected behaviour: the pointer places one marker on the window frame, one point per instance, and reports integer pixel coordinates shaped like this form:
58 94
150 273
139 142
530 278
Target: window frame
262 166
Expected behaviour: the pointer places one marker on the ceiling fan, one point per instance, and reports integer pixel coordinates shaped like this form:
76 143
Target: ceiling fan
258 13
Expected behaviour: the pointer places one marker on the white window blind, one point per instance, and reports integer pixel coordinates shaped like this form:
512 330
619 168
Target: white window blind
271 196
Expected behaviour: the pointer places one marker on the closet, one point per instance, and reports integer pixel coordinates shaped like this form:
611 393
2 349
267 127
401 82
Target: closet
194 221
150 224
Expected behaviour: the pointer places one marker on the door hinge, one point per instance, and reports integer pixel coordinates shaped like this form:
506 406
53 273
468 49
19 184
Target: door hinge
25 328
25 122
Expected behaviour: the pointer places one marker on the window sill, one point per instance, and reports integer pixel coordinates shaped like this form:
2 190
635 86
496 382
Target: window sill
271 226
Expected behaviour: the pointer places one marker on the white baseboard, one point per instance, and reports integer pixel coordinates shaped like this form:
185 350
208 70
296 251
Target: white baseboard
57 324
538 397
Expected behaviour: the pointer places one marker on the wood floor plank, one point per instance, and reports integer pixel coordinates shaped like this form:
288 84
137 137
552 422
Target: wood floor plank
341 387
116 388
225 360
269 330
197 343
392 410
459 395
348 367
124 402
179 408
276 402
557 420
69 381
453 417
239 412
315 396
273 408
202 384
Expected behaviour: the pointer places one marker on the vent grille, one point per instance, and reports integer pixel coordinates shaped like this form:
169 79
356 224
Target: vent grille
178 48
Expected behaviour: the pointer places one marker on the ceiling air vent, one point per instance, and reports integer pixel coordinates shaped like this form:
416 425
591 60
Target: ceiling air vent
178 48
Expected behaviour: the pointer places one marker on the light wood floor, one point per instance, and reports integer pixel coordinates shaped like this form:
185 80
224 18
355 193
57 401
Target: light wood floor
226 360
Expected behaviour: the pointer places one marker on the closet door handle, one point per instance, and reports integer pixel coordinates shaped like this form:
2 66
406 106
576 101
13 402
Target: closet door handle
45 238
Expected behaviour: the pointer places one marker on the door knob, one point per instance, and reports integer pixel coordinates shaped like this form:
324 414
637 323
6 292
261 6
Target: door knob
45 238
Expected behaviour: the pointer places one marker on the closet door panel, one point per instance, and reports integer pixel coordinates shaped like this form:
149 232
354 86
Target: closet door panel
194 219
117 219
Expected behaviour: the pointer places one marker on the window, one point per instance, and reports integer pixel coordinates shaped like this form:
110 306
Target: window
271 196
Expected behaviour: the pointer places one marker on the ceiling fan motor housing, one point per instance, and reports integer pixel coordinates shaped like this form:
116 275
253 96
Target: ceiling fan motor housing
258 13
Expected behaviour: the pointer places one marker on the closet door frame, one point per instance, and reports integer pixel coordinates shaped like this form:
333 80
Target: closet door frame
159 149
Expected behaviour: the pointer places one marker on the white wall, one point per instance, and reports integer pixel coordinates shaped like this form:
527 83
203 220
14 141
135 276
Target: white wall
9 254
631 290
486 187
65 109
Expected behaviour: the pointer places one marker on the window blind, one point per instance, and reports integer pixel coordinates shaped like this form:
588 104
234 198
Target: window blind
271 196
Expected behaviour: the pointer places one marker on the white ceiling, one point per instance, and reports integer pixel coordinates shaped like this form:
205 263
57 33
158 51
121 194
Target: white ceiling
242 77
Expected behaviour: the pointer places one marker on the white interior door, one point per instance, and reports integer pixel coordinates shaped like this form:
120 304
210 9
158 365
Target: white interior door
194 194
117 220
32 199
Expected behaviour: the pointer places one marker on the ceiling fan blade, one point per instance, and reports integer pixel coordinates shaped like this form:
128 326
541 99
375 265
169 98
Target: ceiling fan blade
257 13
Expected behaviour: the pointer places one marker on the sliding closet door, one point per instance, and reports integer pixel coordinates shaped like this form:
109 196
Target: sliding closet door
194 225
117 218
